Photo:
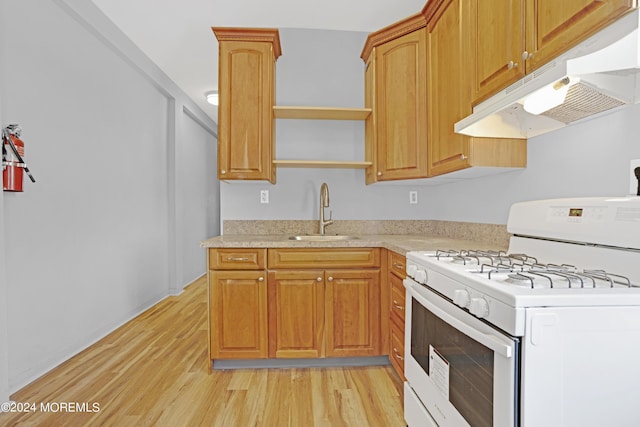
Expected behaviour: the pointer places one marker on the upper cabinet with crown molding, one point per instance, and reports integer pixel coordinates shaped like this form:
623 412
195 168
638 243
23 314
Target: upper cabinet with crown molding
395 90
246 84
514 37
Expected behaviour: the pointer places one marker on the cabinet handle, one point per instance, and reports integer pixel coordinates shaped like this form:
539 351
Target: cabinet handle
526 55
237 259
398 265
511 65
330 279
463 157
396 354
319 279
260 279
398 306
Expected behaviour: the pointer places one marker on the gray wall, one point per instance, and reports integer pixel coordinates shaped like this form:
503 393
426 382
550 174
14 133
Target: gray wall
4 353
323 68
114 221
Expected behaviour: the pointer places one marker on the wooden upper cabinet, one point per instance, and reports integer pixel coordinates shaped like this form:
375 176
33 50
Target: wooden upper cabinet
498 42
514 37
395 89
449 88
246 85
555 26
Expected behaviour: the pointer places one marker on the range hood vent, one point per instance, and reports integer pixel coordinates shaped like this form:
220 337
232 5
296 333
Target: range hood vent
602 75
582 101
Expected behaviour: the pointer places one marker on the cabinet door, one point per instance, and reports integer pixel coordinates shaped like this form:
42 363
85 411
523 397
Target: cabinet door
448 86
238 314
352 313
245 113
296 313
555 26
400 105
498 37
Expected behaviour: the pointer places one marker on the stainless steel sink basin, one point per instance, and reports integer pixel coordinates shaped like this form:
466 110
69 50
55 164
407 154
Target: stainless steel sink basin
323 238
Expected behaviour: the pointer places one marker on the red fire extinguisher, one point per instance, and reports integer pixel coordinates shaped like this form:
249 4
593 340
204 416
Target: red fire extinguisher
13 159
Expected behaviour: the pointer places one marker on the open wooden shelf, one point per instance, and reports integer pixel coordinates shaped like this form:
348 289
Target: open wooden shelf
321 113
321 164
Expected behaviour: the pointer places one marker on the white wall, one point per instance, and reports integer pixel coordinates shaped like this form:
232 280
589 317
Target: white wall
4 353
324 68
197 195
104 232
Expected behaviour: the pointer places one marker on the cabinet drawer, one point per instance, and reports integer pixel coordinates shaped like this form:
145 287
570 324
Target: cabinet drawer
237 259
397 298
397 264
324 258
396 350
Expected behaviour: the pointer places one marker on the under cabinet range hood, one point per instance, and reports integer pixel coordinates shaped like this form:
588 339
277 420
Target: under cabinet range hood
598 76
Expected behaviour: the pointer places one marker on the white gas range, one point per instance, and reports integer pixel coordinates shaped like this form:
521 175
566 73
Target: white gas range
544 334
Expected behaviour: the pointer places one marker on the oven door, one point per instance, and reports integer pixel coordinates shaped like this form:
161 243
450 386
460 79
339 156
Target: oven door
463 371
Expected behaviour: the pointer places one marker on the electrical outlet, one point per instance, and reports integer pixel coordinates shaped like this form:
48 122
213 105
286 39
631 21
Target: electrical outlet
633 181
413 197
264 196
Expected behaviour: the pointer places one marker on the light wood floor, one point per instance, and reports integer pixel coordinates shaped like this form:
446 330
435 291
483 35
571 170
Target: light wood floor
153 372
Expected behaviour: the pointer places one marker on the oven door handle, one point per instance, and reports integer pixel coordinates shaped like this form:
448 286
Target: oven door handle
489 340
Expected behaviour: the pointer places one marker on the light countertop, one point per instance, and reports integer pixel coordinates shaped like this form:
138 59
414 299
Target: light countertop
397 243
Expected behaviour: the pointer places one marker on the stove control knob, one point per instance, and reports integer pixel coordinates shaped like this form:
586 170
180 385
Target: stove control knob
479 307
461 298
421 276
411 269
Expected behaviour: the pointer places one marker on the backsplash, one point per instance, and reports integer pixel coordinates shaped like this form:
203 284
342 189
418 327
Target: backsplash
495 234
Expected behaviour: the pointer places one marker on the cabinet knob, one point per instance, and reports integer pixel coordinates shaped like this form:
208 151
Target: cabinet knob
260 279
330 279
396 354
222 172
511 65
319 279
379 173
463 157
526 55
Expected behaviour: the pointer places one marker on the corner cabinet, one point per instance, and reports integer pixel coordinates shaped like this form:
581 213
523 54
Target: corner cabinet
246 84
514 37
449 97
395 90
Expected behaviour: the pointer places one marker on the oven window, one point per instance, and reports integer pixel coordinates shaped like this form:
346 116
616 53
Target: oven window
469 363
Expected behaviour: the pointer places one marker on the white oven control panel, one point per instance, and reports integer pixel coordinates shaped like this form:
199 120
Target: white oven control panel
613 221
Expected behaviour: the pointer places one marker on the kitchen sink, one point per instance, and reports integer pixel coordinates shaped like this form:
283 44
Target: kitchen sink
323 237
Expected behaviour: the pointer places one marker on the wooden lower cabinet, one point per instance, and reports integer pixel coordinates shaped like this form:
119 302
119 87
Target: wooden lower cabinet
352 313
324 313
319 311
238 314
396 268
304 303
296 313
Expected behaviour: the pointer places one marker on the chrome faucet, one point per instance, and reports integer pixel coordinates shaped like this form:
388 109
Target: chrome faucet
324 203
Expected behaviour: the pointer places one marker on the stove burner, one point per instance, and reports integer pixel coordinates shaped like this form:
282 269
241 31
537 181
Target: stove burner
525 270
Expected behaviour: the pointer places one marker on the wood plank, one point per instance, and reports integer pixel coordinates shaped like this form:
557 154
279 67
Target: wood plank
320 113
154 371
335 164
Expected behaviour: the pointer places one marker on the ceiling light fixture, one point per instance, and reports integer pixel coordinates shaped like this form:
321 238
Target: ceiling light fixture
212 97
